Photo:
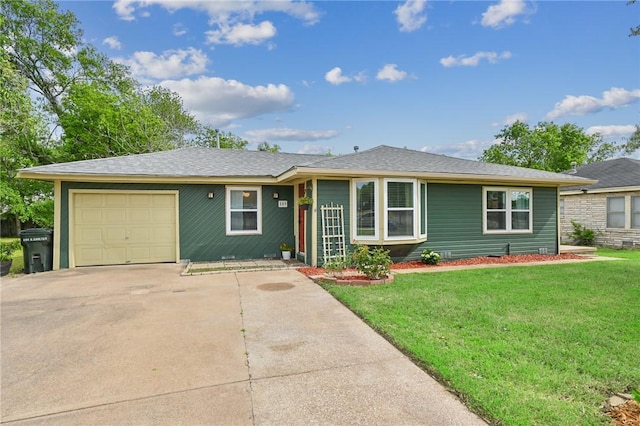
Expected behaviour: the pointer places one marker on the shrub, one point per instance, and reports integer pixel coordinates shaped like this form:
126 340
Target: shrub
582 235
335 267
7 248
374 263
430 257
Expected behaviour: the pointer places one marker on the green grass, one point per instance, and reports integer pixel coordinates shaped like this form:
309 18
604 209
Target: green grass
17 267
530 345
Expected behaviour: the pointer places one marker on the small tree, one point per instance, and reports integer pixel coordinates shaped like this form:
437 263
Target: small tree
582 235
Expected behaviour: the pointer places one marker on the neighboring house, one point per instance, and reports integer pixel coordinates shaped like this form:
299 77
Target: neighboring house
611 206
203 204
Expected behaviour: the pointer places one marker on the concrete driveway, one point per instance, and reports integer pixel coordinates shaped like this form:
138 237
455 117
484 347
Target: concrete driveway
142 345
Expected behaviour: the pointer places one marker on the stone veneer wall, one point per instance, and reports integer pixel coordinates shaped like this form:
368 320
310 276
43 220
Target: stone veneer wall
590 210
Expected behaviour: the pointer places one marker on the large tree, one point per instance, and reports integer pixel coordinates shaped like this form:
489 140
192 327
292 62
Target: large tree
22 144
101 109
548 146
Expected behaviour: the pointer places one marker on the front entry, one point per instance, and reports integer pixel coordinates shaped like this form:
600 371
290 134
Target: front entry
301 217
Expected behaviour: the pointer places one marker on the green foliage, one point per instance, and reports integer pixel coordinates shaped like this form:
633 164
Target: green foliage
374 263
582 235
305 200
206 136
285 247
264 146
7 248
430 257
548 146
337 266
636 395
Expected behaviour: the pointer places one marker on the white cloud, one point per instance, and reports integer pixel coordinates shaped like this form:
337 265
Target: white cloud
218 102
410 15
469 150
613 98
510 119
112 42
335 77
240 34
169 64
472 61
179 29
286 134
225 12
315 149
503 13
612 130
391 72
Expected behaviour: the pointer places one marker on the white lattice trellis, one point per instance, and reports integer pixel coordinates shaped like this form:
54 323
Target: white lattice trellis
333 247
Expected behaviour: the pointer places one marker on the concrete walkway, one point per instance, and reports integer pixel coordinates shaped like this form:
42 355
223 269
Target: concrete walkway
142 345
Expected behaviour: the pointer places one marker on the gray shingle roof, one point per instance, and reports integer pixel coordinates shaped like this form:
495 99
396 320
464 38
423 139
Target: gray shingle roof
212 162
192 162
616 173
386 158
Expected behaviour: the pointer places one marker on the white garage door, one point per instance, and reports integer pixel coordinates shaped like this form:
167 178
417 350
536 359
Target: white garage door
112 228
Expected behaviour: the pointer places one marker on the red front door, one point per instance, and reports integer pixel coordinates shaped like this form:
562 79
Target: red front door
301 217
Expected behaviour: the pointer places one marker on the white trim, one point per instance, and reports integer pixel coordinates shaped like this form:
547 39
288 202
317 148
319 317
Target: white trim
354 215
227 209
57 221
422 213
414 209
507 210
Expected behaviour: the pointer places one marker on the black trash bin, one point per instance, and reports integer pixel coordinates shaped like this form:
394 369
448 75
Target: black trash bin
37 249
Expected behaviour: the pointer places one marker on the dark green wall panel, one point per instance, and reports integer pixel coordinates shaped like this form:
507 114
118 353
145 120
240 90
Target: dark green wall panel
454 224
336 192
202 221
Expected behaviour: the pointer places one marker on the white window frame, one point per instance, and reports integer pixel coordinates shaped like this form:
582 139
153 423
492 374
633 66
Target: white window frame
415 209
354 203
508 210
422 210
258 210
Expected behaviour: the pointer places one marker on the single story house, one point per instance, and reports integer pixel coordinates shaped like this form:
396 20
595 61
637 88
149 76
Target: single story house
202 204
611 206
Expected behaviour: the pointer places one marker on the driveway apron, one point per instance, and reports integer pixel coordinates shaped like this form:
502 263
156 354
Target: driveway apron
142 345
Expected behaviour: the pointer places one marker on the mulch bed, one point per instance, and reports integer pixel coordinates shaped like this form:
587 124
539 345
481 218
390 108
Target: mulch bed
627 414
520 258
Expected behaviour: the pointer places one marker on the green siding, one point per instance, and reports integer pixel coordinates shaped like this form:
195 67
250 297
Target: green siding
336 192
454 224
202 221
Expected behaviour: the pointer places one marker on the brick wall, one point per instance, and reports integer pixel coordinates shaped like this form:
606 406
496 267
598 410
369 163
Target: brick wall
590 210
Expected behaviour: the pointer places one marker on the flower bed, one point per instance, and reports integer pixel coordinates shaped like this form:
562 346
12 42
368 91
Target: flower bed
351 274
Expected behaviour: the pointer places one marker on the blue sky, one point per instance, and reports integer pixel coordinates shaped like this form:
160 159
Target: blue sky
440 76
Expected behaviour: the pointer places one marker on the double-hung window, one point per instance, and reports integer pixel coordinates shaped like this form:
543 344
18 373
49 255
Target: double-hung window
400 211
365 194
388 210
635 212
243 210
615 212
507 210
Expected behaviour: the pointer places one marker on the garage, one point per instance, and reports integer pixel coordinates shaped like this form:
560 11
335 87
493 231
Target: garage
123 227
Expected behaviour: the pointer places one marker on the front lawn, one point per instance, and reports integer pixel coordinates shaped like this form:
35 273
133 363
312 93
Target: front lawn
526 345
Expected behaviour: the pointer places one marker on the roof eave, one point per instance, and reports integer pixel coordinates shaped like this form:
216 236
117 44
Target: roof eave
298 172
114 178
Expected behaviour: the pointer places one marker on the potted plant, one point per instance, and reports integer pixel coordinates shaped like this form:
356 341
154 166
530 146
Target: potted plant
6 255
305 202
286 250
